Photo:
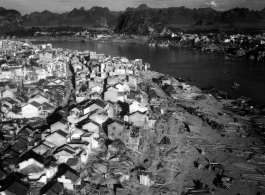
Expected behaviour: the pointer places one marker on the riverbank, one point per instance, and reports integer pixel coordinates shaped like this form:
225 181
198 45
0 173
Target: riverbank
111 38
226 47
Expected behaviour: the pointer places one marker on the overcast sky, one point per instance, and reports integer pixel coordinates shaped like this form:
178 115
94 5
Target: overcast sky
29 6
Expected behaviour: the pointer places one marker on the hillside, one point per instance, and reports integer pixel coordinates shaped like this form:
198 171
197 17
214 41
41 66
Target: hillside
41 18
262 13
95 16
140 7
9 20
240 15
141 22
134 21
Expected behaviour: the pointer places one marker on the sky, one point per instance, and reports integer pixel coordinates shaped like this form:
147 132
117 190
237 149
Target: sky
59 6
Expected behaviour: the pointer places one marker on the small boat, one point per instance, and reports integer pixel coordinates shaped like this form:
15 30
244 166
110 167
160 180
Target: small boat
235 86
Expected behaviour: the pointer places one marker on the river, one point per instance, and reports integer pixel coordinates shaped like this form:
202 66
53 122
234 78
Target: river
207 69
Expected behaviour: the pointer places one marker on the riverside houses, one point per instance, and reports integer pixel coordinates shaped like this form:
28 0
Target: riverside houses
49 138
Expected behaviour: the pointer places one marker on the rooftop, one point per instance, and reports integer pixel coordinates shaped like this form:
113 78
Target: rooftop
62 133
72 161
17 188
35 104
71 175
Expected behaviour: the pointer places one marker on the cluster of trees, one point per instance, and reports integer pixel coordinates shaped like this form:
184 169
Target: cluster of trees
62 30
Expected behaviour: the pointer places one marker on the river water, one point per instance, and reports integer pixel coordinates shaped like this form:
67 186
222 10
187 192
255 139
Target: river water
207 69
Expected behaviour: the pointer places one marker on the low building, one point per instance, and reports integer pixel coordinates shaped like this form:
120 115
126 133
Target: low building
31 110
138 119
8 93
61 124
116 130
111 94
58 138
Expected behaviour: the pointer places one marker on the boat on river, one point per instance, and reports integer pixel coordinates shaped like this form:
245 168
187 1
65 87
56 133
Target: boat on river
235 86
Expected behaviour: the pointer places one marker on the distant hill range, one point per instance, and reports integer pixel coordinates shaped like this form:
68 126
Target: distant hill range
96 16
102 16
143 18
133 20
9 20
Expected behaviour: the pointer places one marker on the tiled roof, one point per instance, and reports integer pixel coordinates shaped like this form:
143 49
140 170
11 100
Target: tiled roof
72 176
54 164
47 106
31 154
2 84
87 134
48 93
11 101
120 122
95 93
11 86
6 106
23 98
35 104
14 160
80 187
62 133
17 188
16 110
137 112
66 150
100 103
50 192
25 131
21 139
110 102
95 123
79 107
72 161
83 122
87 104
63 120
10 152
52 188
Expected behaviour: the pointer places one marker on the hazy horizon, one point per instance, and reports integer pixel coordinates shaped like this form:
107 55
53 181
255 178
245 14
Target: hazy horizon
60 6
